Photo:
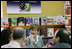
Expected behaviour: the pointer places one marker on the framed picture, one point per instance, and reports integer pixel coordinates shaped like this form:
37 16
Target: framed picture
23 7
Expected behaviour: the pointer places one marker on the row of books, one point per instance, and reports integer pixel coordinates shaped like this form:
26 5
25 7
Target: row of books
67 2
21 21
68 21
68 11
47 32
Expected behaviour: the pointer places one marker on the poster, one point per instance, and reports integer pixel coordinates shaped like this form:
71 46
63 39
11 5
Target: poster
4 22
23 7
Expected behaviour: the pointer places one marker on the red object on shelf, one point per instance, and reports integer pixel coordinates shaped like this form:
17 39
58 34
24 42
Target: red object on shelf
65 11
70 11
69 22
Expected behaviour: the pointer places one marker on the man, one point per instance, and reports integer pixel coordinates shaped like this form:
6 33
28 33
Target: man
61 39
34 41
18 39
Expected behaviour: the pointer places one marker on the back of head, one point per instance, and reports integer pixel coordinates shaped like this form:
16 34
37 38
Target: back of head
64 37
18 33
5 36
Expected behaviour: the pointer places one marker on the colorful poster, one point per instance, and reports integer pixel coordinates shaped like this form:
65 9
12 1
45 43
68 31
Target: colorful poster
49 20
4 22
23 7
29 21
43 20
50 31
36 20
21 21
44 32
13 21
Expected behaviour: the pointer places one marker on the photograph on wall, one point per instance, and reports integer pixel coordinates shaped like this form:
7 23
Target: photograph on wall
23 7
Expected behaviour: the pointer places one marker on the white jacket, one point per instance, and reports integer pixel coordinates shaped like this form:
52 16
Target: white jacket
12 44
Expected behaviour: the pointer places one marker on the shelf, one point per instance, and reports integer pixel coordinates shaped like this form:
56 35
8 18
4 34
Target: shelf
15 26
67 15
48 37
68 5
5 27
41 25
53 25
67 26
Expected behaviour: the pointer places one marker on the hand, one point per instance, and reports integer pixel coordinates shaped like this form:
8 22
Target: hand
23 45
44 47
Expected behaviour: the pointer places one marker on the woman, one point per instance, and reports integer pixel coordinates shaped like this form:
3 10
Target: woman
34 40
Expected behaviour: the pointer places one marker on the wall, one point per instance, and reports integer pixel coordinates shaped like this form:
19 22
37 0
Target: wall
1 10
48 8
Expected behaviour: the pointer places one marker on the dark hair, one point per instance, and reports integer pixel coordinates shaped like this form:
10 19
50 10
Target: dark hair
18 33
34 26
64 38
5 35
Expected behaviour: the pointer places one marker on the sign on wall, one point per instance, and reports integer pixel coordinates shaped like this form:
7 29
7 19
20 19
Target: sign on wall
23 7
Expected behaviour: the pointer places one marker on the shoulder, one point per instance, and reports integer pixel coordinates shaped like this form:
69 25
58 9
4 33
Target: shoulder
61 45
27 39
4 46
39 37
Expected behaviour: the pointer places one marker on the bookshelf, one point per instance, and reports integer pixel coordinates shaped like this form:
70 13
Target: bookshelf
40 25
67 12
48 37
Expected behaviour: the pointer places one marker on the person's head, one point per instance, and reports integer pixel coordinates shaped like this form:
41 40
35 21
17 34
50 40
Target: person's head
34 28
5 36
61 36
18 34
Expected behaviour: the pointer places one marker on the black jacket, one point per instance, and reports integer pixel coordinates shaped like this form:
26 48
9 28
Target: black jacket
61 45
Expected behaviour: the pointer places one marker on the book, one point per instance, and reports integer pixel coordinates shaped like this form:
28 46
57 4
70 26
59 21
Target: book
69 11
50 32
43 20
36 20
48 40
62 19
29 21
43 32
49 20
4 22
56 19
21 21
67 2
65 11
13 21
27 32
68 21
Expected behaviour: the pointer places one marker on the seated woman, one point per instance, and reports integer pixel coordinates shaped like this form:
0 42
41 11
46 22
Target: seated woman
34 40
